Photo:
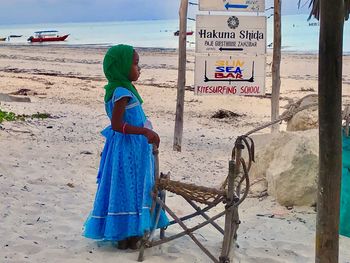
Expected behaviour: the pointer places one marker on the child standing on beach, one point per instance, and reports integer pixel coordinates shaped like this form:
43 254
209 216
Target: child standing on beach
121 210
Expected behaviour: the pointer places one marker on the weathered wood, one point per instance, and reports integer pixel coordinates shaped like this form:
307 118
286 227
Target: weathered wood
276 62
199 210
330 152
181 79
228 236
167 239
162 230
142 248
172 214
147 235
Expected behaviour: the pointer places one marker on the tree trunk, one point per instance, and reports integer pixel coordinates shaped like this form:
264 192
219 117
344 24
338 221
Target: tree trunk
181 80
330 142
276 62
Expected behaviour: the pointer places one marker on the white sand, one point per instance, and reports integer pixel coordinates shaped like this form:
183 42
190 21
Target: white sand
47 182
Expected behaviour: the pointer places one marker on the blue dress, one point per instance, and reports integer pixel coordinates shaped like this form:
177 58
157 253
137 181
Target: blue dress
125 179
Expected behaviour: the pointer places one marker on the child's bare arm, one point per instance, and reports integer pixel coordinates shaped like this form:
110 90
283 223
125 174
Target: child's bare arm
119 126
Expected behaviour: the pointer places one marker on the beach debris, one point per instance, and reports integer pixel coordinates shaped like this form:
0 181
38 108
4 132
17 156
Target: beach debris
8 98
266 215
25 188
21 92
307 89
301 220
226 114
26 92
49 127
71 185
85 152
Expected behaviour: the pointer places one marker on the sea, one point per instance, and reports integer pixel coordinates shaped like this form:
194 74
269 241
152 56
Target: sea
298 34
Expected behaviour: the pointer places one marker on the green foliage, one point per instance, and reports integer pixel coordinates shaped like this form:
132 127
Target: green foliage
39 115
10 116
7 116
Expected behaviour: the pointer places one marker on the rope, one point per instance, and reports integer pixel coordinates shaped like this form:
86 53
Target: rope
201 194
287 115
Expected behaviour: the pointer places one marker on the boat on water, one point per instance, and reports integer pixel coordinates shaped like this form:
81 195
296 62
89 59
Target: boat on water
188 33
47 36
13 36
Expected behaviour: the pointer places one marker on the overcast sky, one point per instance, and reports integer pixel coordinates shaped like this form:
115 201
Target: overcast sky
58 11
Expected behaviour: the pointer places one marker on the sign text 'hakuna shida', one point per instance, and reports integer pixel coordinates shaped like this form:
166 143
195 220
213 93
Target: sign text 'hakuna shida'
230 75
232 5
230 34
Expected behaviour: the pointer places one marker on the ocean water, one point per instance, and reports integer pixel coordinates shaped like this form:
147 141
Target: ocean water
297 33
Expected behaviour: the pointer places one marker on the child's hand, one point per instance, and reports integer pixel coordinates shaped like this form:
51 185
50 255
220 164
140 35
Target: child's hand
152 137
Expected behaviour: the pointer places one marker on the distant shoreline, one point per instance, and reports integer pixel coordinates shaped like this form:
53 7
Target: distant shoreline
143 49
94 46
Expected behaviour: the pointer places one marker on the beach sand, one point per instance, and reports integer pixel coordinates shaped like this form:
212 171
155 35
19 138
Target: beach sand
48 167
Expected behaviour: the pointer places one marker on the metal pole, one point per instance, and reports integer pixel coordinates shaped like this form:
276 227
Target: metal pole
330 158
181 79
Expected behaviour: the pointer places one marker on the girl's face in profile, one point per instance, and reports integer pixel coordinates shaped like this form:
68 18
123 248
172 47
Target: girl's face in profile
135 68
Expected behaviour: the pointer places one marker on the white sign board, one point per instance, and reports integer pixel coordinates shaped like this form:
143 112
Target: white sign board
230 75
232 5
230 34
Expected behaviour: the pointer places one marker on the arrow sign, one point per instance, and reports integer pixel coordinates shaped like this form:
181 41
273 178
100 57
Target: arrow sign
232 5
228 5
230 49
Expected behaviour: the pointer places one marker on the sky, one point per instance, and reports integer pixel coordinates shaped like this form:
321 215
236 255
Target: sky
60 11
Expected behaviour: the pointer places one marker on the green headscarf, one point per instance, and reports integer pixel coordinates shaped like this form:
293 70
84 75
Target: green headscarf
116 66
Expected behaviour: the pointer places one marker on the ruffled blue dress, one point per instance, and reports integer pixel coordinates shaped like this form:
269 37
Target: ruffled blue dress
125 179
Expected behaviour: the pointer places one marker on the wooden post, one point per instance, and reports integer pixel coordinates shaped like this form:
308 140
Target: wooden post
181 79
231 212
276 62
330 156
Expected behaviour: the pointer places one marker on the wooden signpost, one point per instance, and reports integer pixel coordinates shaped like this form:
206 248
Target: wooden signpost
230 75
230 34
230 53
232 5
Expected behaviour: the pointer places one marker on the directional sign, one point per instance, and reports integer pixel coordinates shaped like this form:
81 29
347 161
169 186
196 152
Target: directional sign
230 34
232 5
230 75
